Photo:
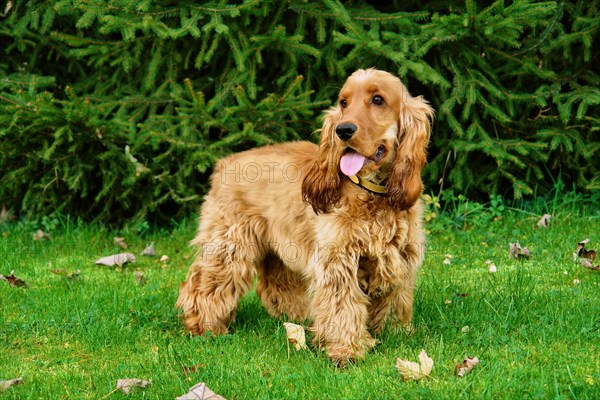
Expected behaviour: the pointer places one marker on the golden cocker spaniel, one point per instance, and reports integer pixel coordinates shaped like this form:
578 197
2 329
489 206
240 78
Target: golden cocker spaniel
334 231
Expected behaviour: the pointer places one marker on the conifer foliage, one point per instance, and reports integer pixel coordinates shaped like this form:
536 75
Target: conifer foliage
118 109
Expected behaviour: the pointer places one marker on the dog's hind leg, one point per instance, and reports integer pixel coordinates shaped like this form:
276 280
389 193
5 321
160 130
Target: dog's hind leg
379 310
281 290
220 275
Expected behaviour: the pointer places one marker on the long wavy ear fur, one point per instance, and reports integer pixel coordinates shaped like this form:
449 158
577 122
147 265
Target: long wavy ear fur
321 184
405 184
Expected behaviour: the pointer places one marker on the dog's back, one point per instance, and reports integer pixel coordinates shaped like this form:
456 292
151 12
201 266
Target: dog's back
259 192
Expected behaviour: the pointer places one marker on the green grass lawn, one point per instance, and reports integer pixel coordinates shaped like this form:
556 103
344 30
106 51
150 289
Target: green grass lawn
534 324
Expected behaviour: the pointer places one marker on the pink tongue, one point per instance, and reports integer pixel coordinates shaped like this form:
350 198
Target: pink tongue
351 163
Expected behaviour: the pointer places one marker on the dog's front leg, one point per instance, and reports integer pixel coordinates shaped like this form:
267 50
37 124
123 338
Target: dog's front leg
339 309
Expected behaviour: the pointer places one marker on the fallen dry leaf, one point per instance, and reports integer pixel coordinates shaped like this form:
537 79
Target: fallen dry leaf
586 262
412 371
13 280
40 235
583 252
140 278
295 335
116 259
4 385
491 266
544 222
193 369
119 241
518 252
149 250
466 366
126 385
585 257
200 392
5 215
67 274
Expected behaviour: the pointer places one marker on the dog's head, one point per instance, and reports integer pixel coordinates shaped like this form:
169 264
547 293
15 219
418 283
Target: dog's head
377 131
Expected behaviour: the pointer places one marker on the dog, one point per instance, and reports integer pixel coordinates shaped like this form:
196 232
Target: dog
332 231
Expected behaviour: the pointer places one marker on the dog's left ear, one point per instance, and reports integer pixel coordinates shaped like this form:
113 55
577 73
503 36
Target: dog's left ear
414 128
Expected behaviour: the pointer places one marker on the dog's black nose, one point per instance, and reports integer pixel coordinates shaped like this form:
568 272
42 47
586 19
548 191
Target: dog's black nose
345 130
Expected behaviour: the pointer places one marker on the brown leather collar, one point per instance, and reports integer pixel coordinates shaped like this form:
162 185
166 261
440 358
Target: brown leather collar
368 185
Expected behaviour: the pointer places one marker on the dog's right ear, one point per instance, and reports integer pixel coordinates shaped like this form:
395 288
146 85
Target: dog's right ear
322 181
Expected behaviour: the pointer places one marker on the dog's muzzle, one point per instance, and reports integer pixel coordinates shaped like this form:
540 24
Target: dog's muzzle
345 130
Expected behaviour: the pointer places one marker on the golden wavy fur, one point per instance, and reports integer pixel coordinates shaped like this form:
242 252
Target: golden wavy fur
323 248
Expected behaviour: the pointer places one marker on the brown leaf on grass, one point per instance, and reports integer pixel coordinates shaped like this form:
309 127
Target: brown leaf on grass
126 385
119 241
13 280
414 371
200 392
585 257
67 274
5 215
544 222
116 259
40 235
149 250
466 366
190 370
586 262
140 278
585 253
5 385
517 252
295 335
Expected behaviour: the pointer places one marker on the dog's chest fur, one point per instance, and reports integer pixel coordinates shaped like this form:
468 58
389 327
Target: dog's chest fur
375 240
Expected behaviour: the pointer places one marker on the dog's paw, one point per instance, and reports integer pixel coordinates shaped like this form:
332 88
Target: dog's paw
342 361
343 354
408 328
200 328
343 357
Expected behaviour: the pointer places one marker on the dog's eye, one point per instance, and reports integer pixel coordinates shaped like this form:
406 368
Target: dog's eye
377 100
343 103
